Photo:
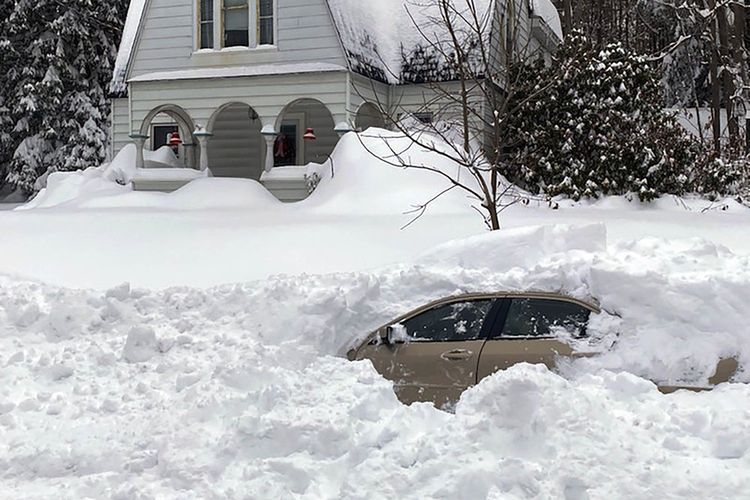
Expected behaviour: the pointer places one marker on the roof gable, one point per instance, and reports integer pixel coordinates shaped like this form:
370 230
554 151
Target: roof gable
136 10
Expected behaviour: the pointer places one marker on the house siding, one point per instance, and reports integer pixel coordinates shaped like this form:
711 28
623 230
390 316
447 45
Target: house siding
362 90
305 33
236 149
120 125
267 95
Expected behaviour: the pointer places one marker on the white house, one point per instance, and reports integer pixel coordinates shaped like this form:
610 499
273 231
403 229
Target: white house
242 81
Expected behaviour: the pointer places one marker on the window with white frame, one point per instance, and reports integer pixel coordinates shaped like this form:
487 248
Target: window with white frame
206 25
265 22
235 23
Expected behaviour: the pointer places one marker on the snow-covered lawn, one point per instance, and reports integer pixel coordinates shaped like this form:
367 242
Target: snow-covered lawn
217 372
158 247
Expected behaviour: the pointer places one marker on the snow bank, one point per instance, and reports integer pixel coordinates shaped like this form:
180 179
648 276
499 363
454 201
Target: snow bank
368 177
199 194
368 180
74 187
110 179
108 186
524 247
235 391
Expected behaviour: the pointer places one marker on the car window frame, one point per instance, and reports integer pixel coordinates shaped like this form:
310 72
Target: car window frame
498 297
489 319
504 310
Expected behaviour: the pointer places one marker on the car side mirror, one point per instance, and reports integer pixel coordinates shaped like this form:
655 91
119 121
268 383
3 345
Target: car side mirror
393 334
385 335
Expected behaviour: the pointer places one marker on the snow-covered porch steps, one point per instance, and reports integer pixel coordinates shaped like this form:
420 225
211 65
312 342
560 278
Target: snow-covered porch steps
288 184
165 179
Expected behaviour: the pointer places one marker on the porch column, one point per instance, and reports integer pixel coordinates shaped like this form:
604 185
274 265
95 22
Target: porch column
139 140
202 136
188 150
269 134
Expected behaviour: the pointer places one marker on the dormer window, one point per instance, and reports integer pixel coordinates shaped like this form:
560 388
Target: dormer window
265 22
206 21
242 23
236 23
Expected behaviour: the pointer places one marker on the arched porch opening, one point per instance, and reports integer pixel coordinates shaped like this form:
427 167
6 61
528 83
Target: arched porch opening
160 124
369 115
236 148
290 148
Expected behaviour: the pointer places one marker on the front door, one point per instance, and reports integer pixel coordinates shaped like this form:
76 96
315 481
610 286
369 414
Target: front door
435 354
287 149
532 333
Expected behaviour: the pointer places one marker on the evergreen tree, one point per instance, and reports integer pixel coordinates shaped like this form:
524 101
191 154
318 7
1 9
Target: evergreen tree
58 55
599 129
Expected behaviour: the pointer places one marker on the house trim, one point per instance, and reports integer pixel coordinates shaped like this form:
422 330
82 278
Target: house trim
136 41
239 71
338 36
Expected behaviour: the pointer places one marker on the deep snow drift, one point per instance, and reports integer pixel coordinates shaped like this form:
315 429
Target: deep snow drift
238 392
88 231
358 180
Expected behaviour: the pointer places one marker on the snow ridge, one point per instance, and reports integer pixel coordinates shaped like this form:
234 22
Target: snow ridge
238 390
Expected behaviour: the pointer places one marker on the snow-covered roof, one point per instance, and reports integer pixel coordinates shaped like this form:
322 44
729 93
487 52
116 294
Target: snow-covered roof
129 33
381 39
236 71
546 10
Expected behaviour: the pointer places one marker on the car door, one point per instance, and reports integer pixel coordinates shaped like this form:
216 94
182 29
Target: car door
531 330
437 354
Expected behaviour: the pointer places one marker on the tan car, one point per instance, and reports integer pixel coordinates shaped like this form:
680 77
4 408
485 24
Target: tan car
437 351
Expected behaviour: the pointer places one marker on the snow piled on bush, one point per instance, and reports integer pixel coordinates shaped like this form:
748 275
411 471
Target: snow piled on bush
240 391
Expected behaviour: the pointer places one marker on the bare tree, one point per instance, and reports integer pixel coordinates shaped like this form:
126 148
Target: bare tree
719 27
466 98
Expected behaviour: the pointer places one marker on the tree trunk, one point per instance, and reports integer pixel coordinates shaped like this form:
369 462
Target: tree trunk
738 53
727 77
715 85
567 17
494 219
715 99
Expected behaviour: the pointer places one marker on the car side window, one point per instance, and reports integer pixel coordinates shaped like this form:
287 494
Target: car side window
459 321
545 318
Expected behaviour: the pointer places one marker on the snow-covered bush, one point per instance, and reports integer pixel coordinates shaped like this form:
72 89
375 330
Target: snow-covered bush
716 176
592 123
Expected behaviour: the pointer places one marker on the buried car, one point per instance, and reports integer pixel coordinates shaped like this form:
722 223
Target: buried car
436 352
